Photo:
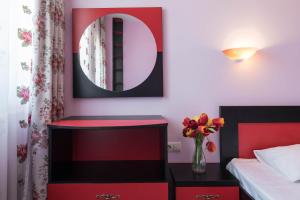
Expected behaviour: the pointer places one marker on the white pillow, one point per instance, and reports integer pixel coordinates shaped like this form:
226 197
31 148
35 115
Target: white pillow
284 159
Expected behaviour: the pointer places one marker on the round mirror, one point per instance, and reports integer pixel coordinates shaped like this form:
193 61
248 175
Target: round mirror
117 52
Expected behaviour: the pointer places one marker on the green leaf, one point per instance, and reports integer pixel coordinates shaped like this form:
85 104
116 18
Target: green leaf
212 130
25 66
20 33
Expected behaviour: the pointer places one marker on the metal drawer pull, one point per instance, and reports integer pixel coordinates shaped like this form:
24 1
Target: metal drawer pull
108 196
208 196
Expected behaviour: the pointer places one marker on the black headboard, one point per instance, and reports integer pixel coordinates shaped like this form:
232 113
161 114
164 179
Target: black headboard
249 114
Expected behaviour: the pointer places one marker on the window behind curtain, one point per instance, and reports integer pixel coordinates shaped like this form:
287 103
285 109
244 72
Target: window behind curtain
4 58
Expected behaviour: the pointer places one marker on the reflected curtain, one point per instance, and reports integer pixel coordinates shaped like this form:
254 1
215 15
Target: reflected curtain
93 53
35 92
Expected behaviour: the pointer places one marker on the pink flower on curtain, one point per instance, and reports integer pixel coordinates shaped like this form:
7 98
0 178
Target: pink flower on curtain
40 22
35 194
22 152
39 80
23 93
26 36
35 137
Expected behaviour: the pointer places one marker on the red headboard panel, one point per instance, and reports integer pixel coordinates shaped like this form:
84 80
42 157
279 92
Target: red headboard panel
252 136
257 127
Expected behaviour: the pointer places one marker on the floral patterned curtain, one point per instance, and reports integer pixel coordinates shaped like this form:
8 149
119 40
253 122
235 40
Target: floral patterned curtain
36 73
93 53
19 84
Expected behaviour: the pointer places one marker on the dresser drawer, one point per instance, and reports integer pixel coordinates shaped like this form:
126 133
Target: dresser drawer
207 193
120 191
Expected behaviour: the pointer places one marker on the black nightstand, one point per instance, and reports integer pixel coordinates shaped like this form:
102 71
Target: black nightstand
215 183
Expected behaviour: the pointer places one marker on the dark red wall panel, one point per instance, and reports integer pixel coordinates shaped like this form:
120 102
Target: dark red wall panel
122 144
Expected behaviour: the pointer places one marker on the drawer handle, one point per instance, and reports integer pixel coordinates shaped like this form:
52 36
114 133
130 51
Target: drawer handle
208 196
107 196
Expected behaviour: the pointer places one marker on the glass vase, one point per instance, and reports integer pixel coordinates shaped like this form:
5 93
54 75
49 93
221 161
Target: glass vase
199 162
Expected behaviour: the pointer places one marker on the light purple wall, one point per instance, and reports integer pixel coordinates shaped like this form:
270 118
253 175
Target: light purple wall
198 78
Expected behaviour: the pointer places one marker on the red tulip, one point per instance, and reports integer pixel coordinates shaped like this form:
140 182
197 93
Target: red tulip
211 147
203 119
194 133
190 132
186 122
193 124
218 122
204 130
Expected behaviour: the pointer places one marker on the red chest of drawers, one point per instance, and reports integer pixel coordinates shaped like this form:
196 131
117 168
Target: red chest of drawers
108 158
214 184
207 193
122 191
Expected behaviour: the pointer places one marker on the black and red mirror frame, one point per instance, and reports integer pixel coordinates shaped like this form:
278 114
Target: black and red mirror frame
151 87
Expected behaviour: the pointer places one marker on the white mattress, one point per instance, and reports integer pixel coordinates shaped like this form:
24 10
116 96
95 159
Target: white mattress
262 182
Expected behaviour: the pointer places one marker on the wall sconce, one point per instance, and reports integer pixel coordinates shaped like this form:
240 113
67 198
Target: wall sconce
240 54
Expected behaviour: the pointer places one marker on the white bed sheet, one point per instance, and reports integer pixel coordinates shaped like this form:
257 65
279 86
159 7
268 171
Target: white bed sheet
262 182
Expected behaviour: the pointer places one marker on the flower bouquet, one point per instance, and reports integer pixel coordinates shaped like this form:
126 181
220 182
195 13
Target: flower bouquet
199 128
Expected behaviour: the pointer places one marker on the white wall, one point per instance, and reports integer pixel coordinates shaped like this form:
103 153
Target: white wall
198 78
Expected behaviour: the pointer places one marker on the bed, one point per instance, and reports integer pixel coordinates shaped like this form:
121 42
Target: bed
249 128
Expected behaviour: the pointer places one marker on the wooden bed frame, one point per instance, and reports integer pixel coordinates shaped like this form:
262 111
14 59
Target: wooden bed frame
256 127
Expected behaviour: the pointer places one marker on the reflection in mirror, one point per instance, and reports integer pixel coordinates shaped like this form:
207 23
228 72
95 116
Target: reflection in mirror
117 52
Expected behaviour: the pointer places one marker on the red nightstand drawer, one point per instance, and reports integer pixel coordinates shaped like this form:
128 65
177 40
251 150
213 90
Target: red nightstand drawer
128 191
207 193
